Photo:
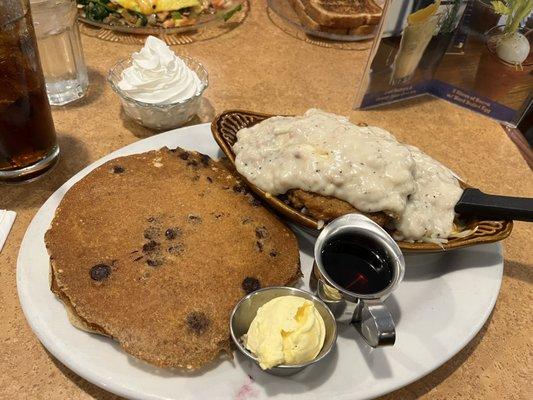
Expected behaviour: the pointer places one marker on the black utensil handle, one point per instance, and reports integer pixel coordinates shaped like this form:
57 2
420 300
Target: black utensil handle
474 202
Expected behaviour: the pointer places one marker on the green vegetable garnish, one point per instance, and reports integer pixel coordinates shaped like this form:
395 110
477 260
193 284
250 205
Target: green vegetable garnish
176 15
226 15
515 11
141 19
96 11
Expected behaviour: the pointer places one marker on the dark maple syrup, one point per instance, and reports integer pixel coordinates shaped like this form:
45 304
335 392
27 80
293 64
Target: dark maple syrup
357 263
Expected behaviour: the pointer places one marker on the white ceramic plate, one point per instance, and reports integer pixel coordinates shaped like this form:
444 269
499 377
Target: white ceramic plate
442 303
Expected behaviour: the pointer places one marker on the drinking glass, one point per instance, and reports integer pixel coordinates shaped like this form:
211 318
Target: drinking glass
59 42
28 145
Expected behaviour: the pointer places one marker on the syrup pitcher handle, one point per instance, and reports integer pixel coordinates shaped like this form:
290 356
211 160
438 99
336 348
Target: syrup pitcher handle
374 322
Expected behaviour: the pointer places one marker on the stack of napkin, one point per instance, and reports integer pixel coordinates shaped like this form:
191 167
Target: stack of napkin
6 221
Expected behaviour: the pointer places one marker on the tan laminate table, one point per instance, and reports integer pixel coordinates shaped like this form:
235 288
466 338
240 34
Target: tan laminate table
259 67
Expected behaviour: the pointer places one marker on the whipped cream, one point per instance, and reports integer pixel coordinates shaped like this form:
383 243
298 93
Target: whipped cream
158 76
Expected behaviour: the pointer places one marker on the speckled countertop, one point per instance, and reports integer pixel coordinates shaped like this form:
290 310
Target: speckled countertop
259 67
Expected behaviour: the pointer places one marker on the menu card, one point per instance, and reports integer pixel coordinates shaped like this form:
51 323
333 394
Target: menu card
452 50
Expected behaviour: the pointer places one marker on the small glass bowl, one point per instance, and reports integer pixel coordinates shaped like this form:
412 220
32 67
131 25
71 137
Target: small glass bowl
160 116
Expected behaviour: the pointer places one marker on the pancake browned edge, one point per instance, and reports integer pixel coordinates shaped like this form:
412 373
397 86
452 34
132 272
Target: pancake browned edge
155 249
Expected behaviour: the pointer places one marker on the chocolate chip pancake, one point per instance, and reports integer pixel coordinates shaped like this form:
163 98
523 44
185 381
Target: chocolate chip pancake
155 249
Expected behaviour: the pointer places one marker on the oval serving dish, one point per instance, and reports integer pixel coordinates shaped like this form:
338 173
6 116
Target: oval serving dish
225 127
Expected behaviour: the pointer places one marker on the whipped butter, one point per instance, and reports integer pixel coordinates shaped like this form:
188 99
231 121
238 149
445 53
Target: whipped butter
363 165
286 330
158 76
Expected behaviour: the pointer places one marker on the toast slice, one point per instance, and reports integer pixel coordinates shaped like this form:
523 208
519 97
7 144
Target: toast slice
343 13
311 24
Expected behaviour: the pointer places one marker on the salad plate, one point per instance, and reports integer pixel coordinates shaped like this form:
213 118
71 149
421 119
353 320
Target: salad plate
121 16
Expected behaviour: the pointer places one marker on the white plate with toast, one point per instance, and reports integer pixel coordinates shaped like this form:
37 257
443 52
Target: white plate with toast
440 306
351 21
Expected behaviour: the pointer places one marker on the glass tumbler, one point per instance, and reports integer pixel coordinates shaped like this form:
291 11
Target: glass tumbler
28 145
59 42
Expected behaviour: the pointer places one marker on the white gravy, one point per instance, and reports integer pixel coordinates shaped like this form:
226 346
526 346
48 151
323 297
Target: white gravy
365 166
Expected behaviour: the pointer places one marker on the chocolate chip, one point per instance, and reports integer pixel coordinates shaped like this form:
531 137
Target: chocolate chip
117 169
194 219
151 219
184 155
197 322
100 272
151 246
238 188
209 179
250 284
151 233
205 159
172 233
261 232
283 197
176 249
273 253
259 246
154 262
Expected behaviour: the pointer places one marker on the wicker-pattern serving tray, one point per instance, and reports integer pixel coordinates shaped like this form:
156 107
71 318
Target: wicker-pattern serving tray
225 128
